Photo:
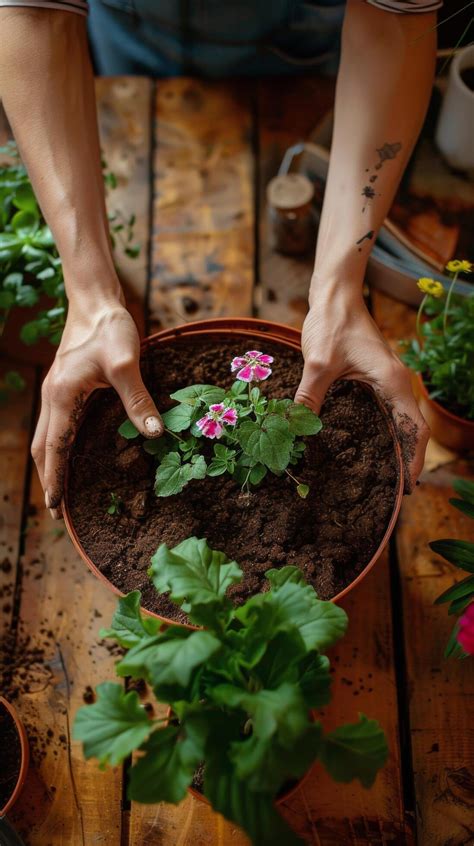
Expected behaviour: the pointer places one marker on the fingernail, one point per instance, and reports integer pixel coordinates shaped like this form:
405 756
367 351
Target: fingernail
55 513
47 500
153 425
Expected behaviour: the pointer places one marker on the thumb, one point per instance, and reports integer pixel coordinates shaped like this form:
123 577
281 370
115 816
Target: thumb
137 402
315 382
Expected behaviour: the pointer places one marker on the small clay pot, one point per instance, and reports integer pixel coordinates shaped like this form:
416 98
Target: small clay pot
263 330
25 756
448 429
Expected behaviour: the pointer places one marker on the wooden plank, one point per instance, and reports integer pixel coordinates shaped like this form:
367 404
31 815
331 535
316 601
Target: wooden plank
202 253
288 111
66 800
441 692
124 110
15 424
364 678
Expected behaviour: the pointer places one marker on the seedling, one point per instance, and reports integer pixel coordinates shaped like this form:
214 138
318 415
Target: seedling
255 435
115 506
240 693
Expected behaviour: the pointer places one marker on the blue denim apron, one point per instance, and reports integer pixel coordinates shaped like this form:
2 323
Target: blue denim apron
215 38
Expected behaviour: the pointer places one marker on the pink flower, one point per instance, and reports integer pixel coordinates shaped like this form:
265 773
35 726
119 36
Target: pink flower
466 630
212 424
252 367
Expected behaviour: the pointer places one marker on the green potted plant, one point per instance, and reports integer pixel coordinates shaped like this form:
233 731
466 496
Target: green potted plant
442 357
461 594
241 693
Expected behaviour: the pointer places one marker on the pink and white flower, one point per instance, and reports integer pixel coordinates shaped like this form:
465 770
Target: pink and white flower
466 630
252 367
213 422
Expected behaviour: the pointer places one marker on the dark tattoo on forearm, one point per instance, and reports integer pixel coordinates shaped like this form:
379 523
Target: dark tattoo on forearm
385 153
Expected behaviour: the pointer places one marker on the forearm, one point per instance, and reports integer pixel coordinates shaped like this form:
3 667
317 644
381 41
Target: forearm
47 89
383 89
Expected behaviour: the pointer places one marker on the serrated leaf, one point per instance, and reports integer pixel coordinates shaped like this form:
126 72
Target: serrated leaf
269 442
194 574
460 553
129 626
176 659
172 755
113 726
128 430
302 420
172 475
196 395
355 751
179 418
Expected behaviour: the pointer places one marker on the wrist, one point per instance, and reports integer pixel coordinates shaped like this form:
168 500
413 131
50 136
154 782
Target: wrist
335 290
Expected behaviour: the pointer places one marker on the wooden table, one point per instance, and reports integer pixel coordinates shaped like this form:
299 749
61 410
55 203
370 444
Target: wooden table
192 160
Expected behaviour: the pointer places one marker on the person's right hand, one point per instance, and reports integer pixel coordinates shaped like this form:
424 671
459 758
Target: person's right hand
96 351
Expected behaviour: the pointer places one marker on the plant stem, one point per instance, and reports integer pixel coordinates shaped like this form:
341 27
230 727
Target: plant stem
448 302
296 481
418 317
173 435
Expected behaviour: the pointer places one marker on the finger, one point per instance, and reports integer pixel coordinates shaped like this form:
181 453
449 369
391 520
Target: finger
61 431
38 444
314 385
137 402
412 429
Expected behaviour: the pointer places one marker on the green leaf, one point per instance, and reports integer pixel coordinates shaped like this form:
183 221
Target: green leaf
460 553
462 505
196 395
315 680
302 420
13 281
113 726
222 462
14 381
175 660
195 575
302 490
128 430
7 299
257 474
465 489
178 418
172 755
25 224
254 812
25 199
129 626
172 475
463 588
269 442
26 295
355 750
453 647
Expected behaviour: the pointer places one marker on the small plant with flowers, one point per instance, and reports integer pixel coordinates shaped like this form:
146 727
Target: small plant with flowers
212 431
443 351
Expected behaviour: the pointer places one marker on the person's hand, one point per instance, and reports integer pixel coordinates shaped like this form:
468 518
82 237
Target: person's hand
341 341
96 351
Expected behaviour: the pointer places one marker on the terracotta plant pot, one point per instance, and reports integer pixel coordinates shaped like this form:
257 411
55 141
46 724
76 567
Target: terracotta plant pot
266 331
448 429
25 756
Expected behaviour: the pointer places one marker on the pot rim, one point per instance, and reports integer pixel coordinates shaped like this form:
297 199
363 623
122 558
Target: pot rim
279 333
25 755
454 419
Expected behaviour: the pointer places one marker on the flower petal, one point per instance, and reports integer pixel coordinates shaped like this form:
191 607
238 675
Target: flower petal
217 408
202 422
230 416
237 362
263 358
246 374
253 354
260 373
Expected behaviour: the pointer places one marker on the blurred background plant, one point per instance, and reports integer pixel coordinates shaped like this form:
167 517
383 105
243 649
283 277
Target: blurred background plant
31 272
443 351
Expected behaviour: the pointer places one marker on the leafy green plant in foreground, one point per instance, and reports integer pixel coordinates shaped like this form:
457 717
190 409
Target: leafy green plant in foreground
255 434
240 693
461 594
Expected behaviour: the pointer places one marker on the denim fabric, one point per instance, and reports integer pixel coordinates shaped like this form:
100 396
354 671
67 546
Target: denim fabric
215 38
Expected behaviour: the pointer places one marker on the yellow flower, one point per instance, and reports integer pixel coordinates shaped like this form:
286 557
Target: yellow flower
459 266
431 287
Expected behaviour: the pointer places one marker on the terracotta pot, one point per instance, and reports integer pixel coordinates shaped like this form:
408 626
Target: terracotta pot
266 331
448 429
25 756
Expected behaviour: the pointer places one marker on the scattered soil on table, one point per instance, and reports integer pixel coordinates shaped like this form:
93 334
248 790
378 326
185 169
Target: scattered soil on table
10 747
332 534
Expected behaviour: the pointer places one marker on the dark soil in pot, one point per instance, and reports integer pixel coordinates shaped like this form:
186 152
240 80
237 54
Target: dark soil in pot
10 749
351 468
